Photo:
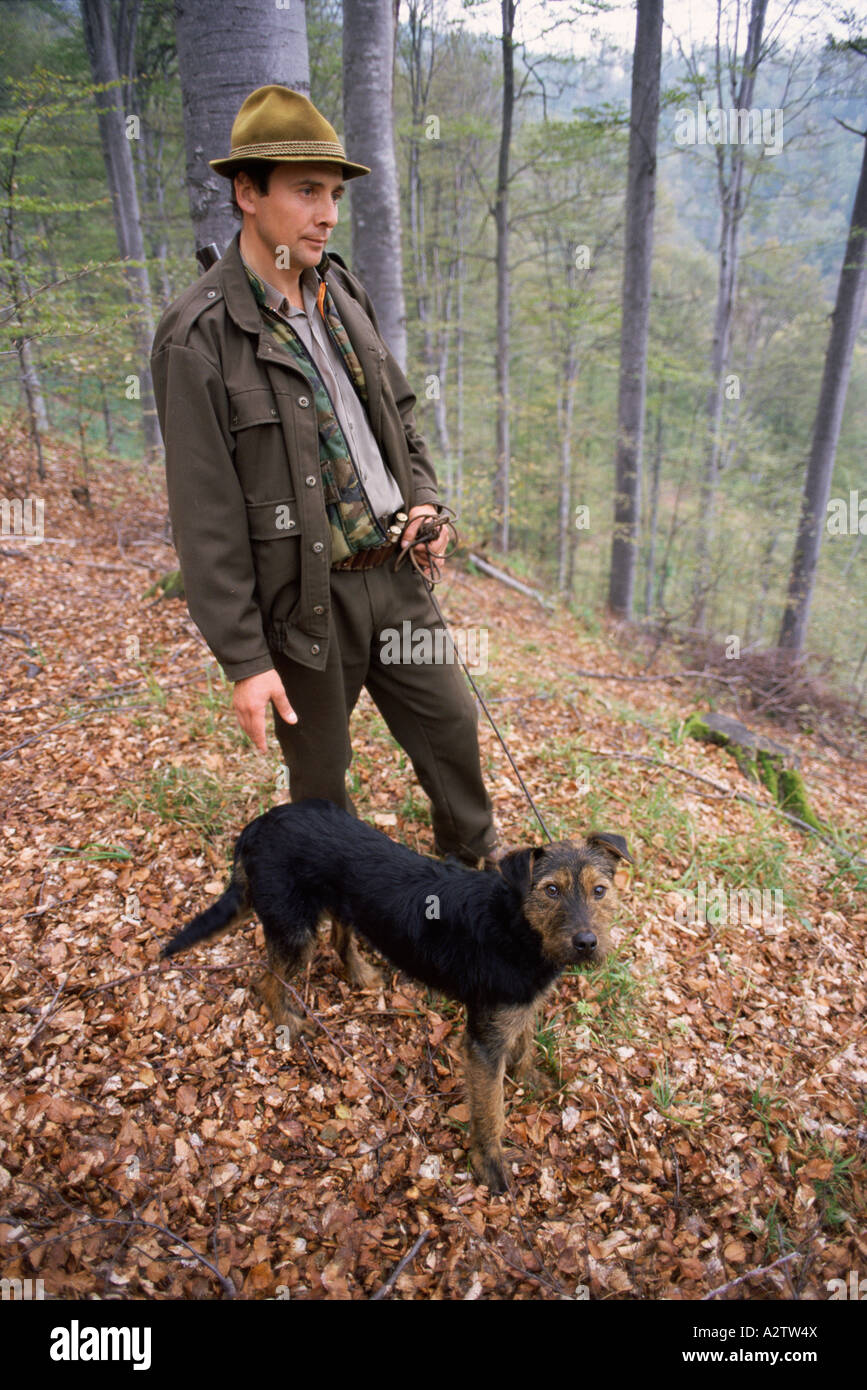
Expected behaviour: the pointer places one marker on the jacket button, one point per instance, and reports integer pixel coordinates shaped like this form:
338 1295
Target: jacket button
314 650
212 294
303 400
318 547
311 481
273 411
318 610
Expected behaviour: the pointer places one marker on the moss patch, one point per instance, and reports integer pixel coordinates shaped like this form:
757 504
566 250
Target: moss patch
770 766
792 797
759 764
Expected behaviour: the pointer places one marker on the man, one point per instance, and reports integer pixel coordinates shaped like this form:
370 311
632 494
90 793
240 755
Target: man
295 476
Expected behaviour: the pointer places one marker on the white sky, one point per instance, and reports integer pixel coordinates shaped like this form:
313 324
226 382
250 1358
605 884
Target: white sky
690 20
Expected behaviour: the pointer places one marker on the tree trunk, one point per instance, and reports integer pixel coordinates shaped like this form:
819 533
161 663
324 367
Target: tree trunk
419 72
460 274
567 354
158 241
566 412
640 199
826 429
107 420
501 217
117 154
650 577
32 386
441 372
225 51
25 373
368 85
732 209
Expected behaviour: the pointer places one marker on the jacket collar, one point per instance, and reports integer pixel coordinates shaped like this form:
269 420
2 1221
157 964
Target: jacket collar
237 291
242 307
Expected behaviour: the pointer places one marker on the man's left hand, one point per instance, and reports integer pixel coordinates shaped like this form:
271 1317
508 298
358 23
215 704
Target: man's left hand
438 546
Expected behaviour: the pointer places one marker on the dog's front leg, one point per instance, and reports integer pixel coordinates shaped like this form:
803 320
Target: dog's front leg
521 1063
358 971
285 959
485 1047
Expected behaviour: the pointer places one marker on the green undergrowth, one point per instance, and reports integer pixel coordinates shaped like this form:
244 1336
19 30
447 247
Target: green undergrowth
206 805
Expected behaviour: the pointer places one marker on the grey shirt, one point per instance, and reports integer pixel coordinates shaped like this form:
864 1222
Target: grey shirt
378 483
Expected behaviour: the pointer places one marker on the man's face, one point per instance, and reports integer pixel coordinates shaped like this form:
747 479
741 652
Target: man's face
299 211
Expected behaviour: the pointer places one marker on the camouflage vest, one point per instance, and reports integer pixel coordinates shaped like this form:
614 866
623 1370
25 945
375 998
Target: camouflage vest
352 523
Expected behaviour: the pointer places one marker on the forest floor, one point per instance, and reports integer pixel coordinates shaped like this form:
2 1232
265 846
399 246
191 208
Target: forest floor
705 1124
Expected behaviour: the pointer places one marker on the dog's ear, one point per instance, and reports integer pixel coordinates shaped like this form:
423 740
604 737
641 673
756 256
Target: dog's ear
517 868
613 846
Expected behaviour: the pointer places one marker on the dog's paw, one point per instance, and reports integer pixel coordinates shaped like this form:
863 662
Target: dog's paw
289 1024
532 1078
490 1170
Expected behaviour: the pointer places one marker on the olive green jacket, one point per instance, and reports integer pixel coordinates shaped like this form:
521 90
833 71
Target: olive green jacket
242 464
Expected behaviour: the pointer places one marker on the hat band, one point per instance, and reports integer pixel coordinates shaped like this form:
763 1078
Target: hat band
313 149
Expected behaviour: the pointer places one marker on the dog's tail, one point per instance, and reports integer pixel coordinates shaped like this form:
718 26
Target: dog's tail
229 911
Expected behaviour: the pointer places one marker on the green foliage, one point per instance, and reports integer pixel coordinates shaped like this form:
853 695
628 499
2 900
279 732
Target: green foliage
191 797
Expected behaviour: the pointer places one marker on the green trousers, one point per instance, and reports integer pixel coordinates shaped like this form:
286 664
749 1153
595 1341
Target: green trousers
428 707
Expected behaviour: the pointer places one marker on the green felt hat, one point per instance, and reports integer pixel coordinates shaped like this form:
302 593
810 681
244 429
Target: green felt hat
278 124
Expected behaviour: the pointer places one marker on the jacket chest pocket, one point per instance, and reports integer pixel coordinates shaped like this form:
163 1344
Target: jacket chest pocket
255 406
261 461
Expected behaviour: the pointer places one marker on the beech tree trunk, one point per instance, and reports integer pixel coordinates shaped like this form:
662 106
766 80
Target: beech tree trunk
101 43
640 200
457 497
225 51
826 429
501 218
368 86
656 475
732 209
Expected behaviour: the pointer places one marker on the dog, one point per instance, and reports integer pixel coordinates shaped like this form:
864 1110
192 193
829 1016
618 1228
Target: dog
494 939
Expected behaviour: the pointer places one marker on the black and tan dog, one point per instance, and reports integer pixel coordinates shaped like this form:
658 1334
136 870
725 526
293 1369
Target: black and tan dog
495 940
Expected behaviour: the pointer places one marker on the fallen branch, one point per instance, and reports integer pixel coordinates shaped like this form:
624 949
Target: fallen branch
726 792
666 676
116 694
398 1270
52 729
752 1274
226 1284
489 569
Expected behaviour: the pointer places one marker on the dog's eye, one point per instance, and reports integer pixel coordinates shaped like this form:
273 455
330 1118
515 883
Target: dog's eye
551 890
600 890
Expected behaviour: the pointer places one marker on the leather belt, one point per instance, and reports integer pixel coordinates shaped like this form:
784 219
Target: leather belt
368 559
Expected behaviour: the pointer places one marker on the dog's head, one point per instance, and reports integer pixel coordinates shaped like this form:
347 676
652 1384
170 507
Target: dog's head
566 893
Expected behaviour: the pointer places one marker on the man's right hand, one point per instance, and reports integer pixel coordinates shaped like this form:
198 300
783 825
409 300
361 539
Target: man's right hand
251 698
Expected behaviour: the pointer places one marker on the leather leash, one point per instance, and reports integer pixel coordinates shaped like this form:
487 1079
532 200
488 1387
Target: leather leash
430 528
